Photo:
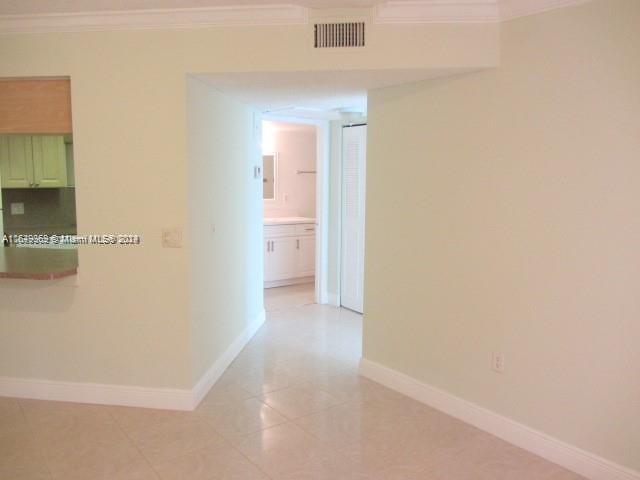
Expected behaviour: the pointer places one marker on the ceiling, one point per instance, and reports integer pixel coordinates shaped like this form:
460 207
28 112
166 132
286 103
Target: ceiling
313 94
20 7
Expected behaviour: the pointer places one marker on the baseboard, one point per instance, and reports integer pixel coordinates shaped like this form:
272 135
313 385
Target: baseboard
216 370
333 299
104 394
568 456
290 281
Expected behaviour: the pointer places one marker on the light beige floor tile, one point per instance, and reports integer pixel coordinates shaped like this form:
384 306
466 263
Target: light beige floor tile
96 460
225 396
329 465
177 438
19 457
493 459
137 422
286 297
299 401
261 381
347 423
273 449
211 463
241 419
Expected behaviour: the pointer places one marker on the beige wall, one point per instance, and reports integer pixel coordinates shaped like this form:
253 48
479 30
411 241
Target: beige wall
127 321
502 215
225 219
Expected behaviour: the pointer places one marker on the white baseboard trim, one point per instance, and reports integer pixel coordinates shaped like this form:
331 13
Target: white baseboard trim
333 299
216 370
568 456
290 281
104 394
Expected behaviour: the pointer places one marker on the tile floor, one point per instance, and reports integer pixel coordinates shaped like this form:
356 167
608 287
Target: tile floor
287 297
290 407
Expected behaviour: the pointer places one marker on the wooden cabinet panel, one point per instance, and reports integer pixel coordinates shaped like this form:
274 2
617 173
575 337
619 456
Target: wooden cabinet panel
35 105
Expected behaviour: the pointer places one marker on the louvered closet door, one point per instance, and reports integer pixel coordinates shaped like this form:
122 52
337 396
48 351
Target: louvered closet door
354 142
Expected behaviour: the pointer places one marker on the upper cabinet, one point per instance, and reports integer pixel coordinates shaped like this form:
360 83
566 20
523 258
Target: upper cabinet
35 105
33 161
16 163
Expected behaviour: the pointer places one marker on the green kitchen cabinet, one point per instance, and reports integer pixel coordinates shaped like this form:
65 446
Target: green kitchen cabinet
49 161
16 163
33 161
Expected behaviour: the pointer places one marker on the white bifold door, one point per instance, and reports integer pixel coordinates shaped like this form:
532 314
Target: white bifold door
354 143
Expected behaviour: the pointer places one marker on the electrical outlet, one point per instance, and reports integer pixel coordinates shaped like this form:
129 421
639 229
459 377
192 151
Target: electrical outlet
171 238
497 362
17 208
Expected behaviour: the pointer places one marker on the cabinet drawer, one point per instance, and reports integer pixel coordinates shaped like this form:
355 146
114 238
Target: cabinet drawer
279 230
306 229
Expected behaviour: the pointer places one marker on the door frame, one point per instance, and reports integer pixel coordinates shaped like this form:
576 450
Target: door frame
323 149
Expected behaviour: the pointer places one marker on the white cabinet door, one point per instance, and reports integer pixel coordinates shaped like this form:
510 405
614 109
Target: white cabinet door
283 258
354 141
268 268
306 262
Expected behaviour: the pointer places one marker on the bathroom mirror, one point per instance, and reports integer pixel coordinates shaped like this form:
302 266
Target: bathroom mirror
269 176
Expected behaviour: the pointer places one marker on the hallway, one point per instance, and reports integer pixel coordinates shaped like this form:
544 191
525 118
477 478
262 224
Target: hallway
291 406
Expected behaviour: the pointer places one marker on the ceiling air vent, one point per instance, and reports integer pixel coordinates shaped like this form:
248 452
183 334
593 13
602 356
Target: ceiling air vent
339 35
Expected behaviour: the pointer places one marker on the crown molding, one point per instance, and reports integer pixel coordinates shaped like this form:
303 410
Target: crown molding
437 11
462 11
510 9
249 15
390 12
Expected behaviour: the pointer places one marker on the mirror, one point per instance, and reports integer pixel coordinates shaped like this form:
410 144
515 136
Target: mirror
269 172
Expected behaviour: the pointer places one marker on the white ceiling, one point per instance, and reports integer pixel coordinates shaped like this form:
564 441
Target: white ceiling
313 94
19 7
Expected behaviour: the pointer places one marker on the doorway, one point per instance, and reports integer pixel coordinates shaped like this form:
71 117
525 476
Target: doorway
290 202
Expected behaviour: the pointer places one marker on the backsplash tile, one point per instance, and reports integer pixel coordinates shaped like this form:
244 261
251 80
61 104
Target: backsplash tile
43 207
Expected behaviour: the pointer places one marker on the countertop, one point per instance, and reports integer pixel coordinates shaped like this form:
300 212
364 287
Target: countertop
37 263
288 220
55 230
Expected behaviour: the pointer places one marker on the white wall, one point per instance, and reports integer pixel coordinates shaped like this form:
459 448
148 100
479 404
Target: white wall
225 222
502 215
296 146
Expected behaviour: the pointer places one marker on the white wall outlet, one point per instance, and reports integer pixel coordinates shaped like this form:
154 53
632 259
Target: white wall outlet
17 208
171 238
497 362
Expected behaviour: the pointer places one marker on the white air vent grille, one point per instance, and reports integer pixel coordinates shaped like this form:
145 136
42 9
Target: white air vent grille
339 35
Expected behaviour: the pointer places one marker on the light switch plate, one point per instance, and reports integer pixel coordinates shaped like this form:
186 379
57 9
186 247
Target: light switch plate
171 238
17 208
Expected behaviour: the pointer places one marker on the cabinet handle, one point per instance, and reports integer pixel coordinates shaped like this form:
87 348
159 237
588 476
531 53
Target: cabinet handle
298 243
273 246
